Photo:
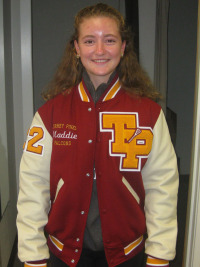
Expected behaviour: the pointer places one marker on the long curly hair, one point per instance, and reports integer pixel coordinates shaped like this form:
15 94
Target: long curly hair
69 73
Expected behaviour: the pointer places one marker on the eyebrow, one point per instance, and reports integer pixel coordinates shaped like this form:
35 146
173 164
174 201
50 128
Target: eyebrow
93 36
110 35
88 36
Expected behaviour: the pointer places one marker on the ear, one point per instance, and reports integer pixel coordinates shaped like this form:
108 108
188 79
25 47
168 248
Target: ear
123 47
77 47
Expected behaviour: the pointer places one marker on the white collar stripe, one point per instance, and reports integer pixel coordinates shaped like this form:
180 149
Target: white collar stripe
113 91
82 92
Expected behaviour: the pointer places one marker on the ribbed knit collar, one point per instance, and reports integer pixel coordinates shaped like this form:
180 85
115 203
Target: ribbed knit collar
96 94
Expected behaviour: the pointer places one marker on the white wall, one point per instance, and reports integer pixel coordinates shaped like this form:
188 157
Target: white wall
192 240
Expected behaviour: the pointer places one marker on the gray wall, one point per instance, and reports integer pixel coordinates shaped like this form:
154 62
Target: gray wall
147 31
8 222
181 73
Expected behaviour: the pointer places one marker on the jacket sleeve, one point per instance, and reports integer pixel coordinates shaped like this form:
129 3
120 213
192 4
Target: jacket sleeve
160 178
34 195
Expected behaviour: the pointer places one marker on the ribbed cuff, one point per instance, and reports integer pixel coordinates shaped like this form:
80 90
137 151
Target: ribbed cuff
42 263
151 261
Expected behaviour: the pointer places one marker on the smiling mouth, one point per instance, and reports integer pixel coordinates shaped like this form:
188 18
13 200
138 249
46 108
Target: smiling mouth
100 60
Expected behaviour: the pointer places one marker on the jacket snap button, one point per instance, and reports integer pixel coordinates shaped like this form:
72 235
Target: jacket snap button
89 109
76 250
82 212
87 174
72 261
77 239
90 141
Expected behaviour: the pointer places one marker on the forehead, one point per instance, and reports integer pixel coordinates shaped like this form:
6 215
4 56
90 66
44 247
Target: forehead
101 23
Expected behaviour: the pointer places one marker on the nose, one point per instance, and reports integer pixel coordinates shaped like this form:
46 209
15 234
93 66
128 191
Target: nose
100 48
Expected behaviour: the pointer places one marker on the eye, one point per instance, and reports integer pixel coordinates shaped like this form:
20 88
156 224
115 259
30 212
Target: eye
110 41
89 42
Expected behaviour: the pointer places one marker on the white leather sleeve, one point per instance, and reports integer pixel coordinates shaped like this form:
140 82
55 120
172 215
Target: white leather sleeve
160 178
34 193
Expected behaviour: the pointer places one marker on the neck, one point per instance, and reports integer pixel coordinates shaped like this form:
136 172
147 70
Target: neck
97 82
101 80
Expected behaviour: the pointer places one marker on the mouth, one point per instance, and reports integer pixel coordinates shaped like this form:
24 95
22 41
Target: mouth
100 60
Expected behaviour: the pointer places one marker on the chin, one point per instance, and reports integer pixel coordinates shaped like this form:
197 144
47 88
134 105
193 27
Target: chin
102 73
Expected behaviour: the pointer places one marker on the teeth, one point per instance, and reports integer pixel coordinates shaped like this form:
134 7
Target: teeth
100 60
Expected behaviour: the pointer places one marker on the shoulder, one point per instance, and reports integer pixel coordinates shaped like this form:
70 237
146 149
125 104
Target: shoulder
151 109
143 105
56 102
139 100
148 104
54 107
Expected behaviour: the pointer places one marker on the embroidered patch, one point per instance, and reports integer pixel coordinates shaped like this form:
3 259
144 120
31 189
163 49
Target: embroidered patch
64 134
33 143
129 140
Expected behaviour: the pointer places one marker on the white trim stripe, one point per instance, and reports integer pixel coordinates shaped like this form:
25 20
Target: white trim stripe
131 190
56 242
128 249
113 91
82 92
59 186
156 262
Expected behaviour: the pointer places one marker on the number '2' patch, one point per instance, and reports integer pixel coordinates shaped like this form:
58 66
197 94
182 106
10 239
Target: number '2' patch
34 136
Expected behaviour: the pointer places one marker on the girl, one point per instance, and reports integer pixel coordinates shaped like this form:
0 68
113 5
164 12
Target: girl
98 176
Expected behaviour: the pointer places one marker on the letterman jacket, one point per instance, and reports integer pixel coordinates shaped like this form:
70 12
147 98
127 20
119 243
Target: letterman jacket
136 174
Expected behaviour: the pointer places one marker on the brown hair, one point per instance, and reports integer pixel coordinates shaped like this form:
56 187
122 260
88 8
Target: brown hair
131 75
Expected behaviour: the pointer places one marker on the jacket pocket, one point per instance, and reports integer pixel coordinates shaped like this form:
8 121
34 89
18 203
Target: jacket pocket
128 249
59 186
131 190
56 243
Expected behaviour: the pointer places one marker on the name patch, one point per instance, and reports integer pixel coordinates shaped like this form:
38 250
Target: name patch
64 134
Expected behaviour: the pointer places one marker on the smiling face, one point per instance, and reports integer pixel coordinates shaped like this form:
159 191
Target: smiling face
100 47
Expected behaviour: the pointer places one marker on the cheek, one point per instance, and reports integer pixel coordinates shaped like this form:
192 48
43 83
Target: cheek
116 53
85 53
